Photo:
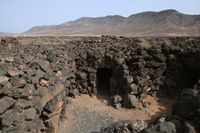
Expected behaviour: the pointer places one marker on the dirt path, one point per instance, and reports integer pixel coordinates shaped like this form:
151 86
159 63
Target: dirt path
87 114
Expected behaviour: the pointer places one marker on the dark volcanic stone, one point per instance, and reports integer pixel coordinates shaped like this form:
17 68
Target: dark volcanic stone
13 71
5 103
125 127
162 125
130 101
186 107
8 117
52 56
32 77
28 90
17 82
40 64
3 79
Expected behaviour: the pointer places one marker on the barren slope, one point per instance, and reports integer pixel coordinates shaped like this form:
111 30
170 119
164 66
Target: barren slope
168 22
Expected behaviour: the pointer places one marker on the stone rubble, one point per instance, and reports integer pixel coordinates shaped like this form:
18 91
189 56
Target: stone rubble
36 79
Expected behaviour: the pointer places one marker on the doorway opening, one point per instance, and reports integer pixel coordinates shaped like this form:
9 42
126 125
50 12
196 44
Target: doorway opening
103 82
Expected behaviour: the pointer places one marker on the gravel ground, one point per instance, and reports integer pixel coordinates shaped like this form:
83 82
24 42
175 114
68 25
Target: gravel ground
87 114
91 121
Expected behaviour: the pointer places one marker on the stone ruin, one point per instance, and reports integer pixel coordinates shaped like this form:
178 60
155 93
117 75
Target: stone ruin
37 78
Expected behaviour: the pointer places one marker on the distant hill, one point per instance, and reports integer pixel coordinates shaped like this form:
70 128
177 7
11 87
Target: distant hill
2 34
164 23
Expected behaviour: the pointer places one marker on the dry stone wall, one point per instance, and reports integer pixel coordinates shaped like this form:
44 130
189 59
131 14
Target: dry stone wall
36 79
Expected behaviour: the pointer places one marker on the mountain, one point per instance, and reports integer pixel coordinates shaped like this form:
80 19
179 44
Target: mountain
163 23
2 34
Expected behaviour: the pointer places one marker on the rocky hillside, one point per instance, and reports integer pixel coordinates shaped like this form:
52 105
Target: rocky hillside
164 23
6 34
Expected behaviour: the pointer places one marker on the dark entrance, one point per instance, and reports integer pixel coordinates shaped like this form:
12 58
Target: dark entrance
103 81
188 77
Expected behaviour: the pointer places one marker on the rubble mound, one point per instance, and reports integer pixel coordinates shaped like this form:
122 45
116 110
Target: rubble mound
39 74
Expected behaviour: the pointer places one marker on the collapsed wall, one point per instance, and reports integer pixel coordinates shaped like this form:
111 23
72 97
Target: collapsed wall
36 79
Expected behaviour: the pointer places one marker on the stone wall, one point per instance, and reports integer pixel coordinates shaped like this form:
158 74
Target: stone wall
36 79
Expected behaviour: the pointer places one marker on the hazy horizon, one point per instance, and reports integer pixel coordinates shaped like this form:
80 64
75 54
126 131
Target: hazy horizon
17 17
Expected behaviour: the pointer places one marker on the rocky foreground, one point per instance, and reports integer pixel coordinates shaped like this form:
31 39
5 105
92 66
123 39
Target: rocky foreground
38 74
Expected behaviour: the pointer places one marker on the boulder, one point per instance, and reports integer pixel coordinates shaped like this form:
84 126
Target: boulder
54 104
81 75
29 114
40 64
133 89
28 90
2 68
34 126
23 104
49 96
52 56
117 101
44 82
13 71
3 79
8 117
186 107
125 127
9 59
17 82
5 103
130 101
165 125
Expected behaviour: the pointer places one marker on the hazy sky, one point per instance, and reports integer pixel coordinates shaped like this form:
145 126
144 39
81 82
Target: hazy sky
20 15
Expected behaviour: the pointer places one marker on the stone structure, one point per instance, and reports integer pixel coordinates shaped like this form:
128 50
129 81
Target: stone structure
36 79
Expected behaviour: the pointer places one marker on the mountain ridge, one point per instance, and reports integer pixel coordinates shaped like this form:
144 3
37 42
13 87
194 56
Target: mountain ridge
167 22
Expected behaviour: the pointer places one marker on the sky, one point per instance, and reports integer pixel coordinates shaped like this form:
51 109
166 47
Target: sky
17 16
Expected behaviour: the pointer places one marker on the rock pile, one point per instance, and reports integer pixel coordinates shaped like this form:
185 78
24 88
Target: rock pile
36 79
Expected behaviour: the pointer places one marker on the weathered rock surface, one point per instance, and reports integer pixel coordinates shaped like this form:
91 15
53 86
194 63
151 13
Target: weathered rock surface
125 127
6 102
35 78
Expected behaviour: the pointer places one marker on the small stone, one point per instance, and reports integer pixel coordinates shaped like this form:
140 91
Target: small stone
28 90
105 102
68 84
131 101
23 104
3 79
138 125
2 69
13 71
52 56
17 82
166 125
92 76
35 79
120 60
9 59
2 60
8 117
134 89
73 92
190 127
59 73
145 104
129 79
81 75
39 73
6 102
30 114
117 99
40 64
44 83
117 105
